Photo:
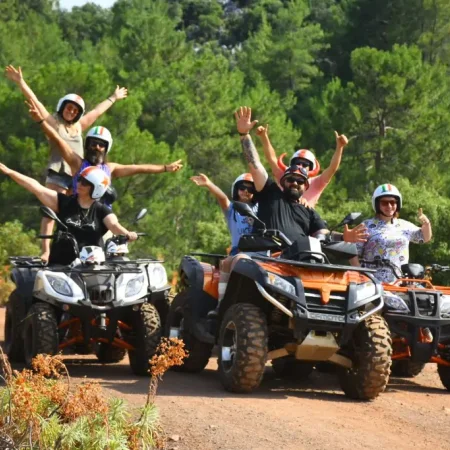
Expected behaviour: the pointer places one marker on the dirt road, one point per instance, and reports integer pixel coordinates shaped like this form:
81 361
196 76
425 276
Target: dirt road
313 414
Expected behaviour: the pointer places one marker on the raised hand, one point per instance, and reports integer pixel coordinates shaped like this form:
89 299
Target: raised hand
244 119
35 114
174 167
263 132
14 74
421 217
341 140
201 180
4 169
119 93
357 234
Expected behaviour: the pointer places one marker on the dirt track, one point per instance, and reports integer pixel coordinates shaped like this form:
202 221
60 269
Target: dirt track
313 414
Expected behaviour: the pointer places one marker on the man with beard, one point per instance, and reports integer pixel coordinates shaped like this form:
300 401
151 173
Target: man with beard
280 208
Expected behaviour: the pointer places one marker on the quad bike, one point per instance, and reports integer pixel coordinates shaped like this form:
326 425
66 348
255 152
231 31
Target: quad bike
418 315
82 301
295 309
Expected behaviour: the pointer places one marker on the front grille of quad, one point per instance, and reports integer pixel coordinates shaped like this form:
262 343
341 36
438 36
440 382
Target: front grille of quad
336 305
426 304
100 295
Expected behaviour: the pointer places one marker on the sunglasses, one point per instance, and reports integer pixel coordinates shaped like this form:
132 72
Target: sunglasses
388 202
97 143
297 180
83 181
249 189
302 163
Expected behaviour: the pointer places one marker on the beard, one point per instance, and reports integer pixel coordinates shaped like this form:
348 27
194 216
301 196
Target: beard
94 156
292 194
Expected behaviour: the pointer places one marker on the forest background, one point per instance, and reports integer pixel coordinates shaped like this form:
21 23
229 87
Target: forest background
375 70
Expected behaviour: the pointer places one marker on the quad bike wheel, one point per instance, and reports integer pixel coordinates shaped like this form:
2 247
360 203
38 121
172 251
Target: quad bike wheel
108 354
147 334
444 375
242 348
371 352
198 352
40 331
14 320
406 368
289 367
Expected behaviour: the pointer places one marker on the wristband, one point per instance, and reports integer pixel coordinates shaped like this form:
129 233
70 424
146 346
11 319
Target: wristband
110 100
243 134
40 121
165 168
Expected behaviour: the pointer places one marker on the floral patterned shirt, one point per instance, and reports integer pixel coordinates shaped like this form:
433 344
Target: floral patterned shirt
389 241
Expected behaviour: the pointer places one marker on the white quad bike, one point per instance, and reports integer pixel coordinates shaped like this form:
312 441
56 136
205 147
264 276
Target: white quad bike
83 302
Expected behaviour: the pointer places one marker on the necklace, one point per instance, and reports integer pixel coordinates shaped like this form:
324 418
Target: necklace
84 213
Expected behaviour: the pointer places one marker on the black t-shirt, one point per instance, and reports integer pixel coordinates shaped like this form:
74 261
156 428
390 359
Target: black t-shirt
291 218
85 224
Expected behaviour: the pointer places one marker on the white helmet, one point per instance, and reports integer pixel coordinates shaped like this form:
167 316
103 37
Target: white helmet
114 249
244 177
92 255
97 178
386 190
101 133
309 156
71 98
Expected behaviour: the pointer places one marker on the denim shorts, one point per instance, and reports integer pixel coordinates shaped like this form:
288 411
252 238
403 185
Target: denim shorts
60 179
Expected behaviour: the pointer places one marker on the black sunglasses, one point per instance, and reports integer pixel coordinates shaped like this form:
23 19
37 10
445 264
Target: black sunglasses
302 163
297 180
83 181
97 142
249 189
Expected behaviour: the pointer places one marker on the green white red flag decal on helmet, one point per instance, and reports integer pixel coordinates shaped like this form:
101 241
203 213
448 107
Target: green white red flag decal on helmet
386 188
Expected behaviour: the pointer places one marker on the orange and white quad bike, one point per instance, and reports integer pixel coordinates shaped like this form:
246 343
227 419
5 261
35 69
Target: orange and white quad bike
418 314
295 309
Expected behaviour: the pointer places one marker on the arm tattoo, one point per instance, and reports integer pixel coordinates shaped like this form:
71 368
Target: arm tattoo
250 153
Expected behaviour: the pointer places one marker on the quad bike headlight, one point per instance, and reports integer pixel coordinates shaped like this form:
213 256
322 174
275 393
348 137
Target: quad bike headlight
281 283
157 275
59 285
364 291
134 286
445 305
394 301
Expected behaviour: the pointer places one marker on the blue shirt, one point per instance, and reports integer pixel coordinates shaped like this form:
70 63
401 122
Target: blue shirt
238 225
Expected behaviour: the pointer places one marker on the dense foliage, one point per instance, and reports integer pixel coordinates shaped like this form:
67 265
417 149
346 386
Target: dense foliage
376 70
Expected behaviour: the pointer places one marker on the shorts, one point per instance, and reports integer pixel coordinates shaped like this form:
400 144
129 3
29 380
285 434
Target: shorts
60 179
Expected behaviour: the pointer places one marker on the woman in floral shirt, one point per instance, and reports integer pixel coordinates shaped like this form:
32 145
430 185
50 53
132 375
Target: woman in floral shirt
389 236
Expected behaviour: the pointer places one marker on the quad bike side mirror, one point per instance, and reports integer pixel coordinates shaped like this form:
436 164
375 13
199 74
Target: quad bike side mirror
349 219
140 215
48 212
245 210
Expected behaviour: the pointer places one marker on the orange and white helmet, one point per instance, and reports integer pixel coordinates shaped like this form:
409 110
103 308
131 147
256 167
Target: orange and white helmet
314 167
101 133
386 190
71 98
234 187
97 178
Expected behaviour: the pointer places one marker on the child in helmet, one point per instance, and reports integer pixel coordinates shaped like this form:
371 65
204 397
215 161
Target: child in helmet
86 218
69 121
389 236
242 190
97 145
306 159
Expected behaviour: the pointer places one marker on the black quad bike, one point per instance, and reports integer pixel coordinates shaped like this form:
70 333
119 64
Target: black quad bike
106 307
294 308
418 315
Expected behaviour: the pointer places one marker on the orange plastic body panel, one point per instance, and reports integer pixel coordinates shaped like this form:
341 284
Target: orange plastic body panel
211 277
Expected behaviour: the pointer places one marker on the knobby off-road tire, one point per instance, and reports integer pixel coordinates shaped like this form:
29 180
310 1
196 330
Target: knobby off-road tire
371 357
108 354
199 352
147 330
40 331
444 375
14 322
244 331
289 367
406 368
